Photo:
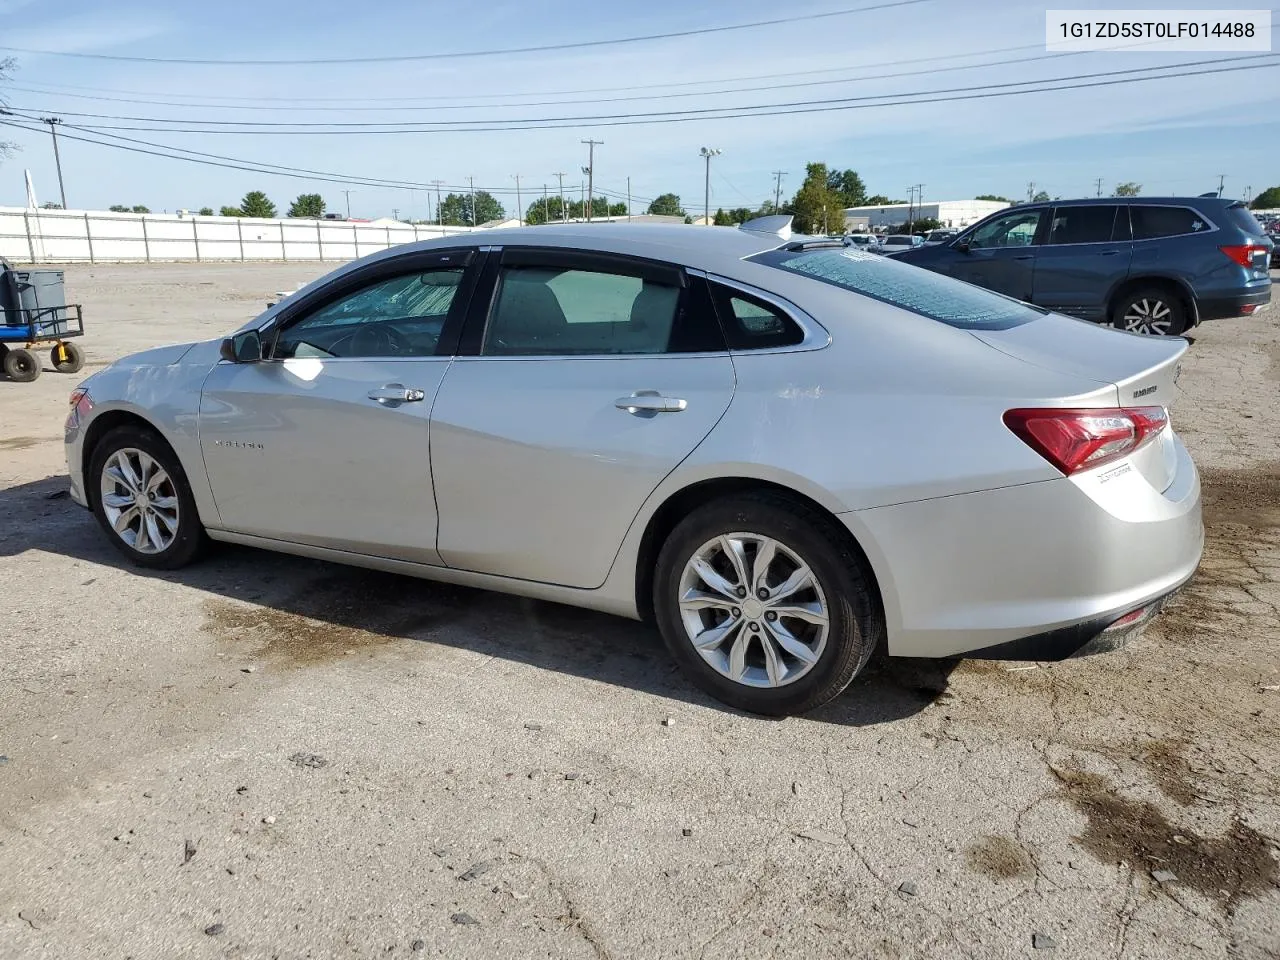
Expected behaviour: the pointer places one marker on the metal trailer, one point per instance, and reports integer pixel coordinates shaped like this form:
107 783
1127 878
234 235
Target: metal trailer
34 315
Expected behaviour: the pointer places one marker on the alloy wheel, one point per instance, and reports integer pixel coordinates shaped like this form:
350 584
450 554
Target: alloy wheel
139 500
1148 315
753 610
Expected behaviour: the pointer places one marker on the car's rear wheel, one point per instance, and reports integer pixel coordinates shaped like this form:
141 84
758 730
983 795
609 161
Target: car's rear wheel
765 605
142 499
1154 311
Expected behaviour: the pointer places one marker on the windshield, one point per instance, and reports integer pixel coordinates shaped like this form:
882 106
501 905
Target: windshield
921 291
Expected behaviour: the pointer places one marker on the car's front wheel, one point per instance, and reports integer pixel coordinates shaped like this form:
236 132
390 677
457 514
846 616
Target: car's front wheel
1152 310
766 606
142 499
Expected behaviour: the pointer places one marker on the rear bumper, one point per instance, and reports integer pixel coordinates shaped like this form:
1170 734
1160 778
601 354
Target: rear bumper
1239 305
1035 571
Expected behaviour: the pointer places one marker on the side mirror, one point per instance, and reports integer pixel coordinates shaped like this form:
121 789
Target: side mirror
962 246
244 347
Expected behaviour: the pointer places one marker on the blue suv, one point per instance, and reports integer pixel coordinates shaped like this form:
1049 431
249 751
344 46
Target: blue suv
1147 265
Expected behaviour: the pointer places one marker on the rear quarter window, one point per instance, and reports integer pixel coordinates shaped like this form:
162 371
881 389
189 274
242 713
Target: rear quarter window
920 291
1238 215
1152 223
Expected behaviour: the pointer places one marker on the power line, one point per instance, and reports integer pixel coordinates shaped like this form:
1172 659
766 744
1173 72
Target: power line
980 91
459 55
252 166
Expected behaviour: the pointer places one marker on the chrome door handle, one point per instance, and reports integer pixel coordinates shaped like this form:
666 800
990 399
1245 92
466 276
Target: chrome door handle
649 403
394 394
1109 253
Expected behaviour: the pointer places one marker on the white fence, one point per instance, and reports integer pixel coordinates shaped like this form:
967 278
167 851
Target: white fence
66 236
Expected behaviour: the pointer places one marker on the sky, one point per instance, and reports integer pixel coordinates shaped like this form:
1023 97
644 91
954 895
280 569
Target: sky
1173 136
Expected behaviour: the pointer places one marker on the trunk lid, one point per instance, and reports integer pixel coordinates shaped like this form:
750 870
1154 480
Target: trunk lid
1143 369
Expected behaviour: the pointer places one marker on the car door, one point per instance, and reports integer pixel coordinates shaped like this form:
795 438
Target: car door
1086 254
325 441
1000 254
582 381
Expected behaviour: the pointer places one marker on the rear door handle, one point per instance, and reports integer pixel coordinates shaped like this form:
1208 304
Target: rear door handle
394 394
649 403
1026 256
1109 253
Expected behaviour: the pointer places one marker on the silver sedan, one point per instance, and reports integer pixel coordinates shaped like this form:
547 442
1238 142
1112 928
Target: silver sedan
784 452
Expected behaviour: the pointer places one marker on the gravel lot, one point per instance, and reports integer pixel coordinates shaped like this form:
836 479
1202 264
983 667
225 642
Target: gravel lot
265 756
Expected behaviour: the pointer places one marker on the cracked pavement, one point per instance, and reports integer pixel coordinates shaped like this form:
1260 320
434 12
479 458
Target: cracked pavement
462 728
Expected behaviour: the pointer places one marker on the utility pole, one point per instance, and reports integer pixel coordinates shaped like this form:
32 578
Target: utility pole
919 201
707 153
582 197
395 213
564 214
1031 190
546 205
911 196
519 203
57 160
474 217
590 170
1098 184
439 209
777 188
348 193
628 199
1248 195
1222 179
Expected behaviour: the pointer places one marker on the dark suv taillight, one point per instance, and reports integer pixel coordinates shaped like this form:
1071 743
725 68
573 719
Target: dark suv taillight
1244 254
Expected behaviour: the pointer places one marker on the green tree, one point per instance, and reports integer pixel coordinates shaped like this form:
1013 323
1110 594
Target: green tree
849 186
118 208
1040 197
256 204
667 205
456 209
617 209
230 212
722 219
307 205
206 211
1268 199
51 205
817 208
992 197
1129 189
878 200
139 208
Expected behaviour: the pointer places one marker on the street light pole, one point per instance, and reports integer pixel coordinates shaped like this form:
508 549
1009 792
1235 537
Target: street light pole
707 153
590 171
564 214
57 160
439 209
519 202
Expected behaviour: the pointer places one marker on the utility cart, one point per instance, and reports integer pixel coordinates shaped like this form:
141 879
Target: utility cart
35 316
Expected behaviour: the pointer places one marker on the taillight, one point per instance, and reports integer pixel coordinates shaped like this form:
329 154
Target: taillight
1074 440
1243 255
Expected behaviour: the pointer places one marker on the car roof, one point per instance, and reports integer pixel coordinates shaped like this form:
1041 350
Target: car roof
697 246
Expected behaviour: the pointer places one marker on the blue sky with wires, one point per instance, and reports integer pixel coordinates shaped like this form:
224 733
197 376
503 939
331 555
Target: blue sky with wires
771 97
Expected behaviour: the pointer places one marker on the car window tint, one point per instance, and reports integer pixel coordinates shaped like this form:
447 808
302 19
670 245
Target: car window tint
1011 230
1087 224
752 323
1242 217
929 294
397 317
553 311
1152 222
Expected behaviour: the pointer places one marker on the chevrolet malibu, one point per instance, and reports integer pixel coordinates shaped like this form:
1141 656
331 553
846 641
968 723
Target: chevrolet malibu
785 453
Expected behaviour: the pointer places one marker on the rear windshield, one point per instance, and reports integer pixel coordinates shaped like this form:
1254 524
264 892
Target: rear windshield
921 291
1239 215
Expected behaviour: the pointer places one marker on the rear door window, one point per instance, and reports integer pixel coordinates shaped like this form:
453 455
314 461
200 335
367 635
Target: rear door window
1087 224
1152 223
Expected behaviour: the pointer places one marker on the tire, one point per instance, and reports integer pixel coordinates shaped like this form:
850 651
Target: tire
1154 311
784 683
74 362
173 509
21 365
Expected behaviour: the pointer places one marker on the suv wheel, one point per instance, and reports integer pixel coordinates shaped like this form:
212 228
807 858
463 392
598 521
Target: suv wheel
1150 310
142 499
764 605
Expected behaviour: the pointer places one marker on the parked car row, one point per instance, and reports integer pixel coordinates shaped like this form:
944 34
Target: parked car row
1147 265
